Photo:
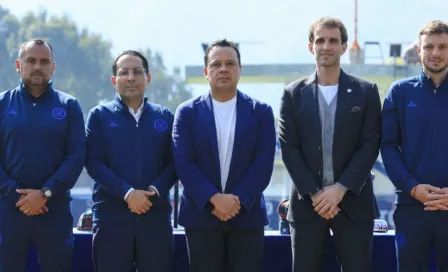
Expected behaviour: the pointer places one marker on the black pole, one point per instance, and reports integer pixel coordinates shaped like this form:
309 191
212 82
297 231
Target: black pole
176 201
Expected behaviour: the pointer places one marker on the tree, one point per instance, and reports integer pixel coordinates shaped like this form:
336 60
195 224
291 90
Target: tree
83 63
83 60
8 24
165 89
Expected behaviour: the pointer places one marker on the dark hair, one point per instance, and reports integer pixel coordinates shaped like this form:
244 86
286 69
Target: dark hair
131 53
222 43
34 41
328 22
433 27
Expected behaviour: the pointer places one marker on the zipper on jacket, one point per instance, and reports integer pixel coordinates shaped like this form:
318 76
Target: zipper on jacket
139 157
34 117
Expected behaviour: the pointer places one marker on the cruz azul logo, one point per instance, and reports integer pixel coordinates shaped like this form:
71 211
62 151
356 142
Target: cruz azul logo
59 113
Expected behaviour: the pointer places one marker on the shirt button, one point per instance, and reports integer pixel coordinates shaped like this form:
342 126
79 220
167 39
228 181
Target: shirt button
318 147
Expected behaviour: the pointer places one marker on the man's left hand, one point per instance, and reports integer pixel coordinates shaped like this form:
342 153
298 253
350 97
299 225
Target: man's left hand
440 204
327 202
224 217
31 202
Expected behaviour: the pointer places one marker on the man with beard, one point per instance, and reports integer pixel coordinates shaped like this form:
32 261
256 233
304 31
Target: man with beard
414 149
129 157
329 129
42 149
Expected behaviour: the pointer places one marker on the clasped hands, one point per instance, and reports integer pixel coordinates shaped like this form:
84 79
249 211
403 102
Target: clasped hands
31 202
326 201
138 201
226 206
434 198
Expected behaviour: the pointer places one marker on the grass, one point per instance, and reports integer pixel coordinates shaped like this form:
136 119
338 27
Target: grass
383 82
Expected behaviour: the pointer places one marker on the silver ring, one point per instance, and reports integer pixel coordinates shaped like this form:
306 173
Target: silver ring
26 211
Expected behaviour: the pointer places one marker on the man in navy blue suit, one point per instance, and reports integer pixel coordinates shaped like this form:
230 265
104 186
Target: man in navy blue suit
224 147
330 130
129 157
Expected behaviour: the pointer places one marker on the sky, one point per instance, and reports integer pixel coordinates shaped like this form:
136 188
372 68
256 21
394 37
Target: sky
268 31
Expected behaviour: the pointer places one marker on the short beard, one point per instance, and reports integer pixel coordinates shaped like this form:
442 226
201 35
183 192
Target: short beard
438 71
28 82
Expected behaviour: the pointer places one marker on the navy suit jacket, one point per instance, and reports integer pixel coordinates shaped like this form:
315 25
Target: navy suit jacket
196 158
356 141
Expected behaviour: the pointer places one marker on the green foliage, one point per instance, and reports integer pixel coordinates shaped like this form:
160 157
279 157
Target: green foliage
83 60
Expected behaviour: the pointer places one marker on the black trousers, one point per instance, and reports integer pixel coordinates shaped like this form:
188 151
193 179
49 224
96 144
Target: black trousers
352 241
145 245
225 249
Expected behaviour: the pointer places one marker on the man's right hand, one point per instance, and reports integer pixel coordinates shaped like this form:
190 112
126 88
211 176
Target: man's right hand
226 206
425 193
138 201
332 212
39 211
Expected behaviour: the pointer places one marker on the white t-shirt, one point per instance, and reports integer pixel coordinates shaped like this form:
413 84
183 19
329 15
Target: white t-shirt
329 92
225 120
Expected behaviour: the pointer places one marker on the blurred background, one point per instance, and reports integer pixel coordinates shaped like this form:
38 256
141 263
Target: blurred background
272 37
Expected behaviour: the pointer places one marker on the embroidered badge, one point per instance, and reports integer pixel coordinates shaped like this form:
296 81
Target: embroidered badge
160 125
400 239
58 113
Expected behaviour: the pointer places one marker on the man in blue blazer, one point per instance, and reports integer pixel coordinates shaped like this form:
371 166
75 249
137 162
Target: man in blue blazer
224 147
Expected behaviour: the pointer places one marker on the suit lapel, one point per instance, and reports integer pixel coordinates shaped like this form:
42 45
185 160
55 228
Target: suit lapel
243 114
344 103
209 118
310 98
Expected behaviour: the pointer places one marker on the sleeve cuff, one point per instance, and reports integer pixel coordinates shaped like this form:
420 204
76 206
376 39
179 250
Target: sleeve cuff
247 205
128 194
155 189
311 194
205 198
410 185
342 187
154 198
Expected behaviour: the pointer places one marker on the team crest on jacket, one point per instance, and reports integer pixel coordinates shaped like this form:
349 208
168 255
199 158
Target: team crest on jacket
160 125
59 113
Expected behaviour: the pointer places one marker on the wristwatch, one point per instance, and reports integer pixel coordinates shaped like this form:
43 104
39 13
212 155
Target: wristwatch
47 193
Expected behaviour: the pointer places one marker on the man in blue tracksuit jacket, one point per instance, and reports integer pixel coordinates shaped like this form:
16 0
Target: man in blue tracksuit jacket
414 150
129 157
42 150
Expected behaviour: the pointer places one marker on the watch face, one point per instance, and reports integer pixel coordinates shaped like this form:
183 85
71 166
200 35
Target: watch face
48 193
